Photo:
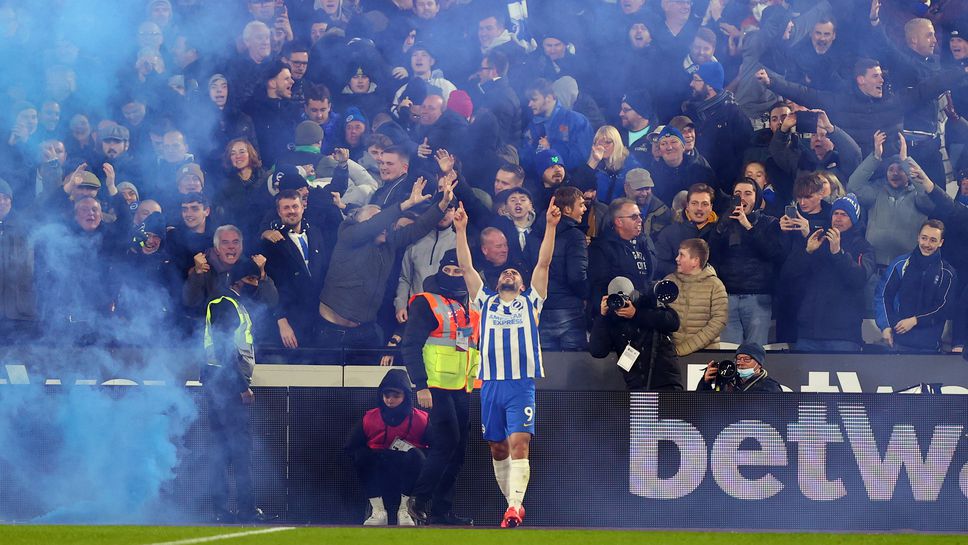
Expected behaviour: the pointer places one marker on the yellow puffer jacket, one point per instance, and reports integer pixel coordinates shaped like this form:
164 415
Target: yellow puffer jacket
702 307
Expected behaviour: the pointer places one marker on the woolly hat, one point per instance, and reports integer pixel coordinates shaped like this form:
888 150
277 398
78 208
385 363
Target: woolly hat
460 102
354 114
189 170
545 159
416 90
243 268
640 101
288 177
849 204
449 258
712 73
308 133
754 351
155 223
669 130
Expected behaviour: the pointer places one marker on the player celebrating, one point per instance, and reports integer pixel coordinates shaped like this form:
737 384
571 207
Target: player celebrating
510 360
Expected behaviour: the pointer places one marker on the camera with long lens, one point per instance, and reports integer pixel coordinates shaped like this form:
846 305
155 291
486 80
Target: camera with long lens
726 373
617 301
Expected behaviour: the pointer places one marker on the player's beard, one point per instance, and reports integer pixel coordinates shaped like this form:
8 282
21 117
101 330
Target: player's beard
507 286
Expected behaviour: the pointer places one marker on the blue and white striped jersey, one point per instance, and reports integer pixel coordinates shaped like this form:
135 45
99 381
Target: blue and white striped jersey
510 348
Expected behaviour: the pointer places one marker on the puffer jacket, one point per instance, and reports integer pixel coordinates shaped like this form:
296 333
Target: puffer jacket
702 306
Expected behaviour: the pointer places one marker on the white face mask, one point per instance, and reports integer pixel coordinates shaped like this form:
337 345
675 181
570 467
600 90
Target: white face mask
746 373
758 11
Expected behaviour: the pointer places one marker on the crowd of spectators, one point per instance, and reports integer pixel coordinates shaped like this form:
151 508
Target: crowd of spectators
795 167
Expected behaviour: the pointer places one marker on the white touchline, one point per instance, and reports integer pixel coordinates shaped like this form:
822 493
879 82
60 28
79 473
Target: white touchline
226 536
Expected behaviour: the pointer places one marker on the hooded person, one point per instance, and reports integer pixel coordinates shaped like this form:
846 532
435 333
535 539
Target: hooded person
748 374
439 347
387 449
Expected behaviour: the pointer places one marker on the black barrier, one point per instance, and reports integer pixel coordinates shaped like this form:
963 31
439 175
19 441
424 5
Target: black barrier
797 372
608 459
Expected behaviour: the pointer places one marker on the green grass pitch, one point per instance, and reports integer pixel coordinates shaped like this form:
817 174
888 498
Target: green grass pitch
149 535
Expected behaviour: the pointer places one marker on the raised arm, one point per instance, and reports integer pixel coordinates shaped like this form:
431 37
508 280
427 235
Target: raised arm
471 278
539 277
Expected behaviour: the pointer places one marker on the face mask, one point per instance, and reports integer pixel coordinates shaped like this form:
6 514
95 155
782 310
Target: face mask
746 373
248 290
451 284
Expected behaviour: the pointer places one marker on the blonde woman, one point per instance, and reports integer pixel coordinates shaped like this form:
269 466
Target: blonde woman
608 163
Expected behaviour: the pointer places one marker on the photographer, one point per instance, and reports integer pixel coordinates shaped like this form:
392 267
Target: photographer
637 328
744 374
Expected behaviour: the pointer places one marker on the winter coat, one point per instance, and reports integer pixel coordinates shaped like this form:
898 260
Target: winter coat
609 256
612 334
744 260
568 275
568 132
358 272
498 97
274 121
914 285
671 180
894 216
722 133
702 307
668 240
17 297
831 287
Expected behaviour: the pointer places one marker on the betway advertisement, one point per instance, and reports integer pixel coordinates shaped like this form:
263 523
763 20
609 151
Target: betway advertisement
850 462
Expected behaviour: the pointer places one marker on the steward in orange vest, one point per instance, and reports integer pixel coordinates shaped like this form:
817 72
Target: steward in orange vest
439 347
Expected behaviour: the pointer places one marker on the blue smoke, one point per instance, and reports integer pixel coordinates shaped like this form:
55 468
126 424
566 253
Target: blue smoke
92 454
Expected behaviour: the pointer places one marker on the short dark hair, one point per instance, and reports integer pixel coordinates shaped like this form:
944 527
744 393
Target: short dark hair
616 206
541 86
295 46
502 197
935 224
317 91
379 140
400 152
498 61
200 198
863 65
502 20
806 185
567 196
287 194
701 188
513 169
826 18
696 247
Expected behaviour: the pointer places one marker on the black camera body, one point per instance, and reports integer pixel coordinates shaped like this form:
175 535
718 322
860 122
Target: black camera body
726 373
617 301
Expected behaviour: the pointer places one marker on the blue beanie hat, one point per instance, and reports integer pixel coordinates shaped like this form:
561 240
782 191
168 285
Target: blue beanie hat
545 159
712 73
848 203
354 114
669 130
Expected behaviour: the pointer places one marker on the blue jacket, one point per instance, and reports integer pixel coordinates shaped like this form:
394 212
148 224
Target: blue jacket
568 132
903 293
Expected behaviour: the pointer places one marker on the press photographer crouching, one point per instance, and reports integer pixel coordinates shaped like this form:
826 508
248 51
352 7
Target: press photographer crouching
744 373
637 327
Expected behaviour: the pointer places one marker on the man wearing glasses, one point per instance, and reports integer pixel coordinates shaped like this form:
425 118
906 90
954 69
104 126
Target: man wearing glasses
622 251
750 376
494 93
